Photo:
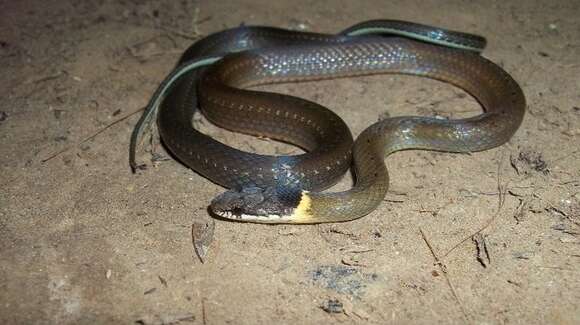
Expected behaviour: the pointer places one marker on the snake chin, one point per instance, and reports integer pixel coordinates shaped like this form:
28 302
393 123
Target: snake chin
252 204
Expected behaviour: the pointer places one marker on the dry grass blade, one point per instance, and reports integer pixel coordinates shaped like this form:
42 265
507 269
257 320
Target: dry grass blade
444 272
92 136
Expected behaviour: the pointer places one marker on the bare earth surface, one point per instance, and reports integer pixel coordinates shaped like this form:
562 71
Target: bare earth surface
487 238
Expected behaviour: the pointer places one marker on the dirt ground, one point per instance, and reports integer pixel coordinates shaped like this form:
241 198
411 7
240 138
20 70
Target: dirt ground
486 238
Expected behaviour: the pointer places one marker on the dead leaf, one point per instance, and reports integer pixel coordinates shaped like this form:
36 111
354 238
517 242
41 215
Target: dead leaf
202 235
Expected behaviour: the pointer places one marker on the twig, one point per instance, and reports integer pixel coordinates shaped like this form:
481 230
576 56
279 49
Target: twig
501 192
46 78
162 280
393 200
179 33
552 207
145 56
322 232
91 136
190 36
203 315
556 268
481 251
341 232
444 271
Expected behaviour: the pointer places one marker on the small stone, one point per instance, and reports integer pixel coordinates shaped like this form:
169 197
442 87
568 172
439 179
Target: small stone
332 306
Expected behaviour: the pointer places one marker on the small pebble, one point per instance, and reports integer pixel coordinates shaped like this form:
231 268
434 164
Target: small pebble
332 306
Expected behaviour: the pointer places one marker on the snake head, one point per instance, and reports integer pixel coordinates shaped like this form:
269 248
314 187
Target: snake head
256 204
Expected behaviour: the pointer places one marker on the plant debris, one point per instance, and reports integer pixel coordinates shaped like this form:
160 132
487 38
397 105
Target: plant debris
482 253
202 236
528 161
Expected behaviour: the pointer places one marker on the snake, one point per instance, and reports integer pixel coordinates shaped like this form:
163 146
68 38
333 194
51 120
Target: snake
218 72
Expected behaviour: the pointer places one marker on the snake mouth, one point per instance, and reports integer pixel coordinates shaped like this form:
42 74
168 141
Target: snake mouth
235 214
238 215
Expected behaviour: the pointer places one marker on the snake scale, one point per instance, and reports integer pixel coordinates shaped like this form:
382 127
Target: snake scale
216 71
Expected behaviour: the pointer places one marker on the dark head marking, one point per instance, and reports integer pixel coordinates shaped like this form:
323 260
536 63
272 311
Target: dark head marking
254 203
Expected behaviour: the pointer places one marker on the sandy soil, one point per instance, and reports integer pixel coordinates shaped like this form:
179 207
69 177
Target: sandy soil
84 241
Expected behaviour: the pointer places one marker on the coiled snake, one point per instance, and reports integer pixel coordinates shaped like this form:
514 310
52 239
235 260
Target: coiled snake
286 189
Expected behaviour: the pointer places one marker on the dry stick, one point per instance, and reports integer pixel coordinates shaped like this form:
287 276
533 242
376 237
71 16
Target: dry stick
195 22
179 33
442 269
559 211
46 78
203 315
91 136
556 268
501 191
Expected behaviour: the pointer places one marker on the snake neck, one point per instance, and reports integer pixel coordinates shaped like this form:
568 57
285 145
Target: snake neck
371 182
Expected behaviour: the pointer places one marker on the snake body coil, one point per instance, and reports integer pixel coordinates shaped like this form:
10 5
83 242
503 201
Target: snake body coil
285 189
